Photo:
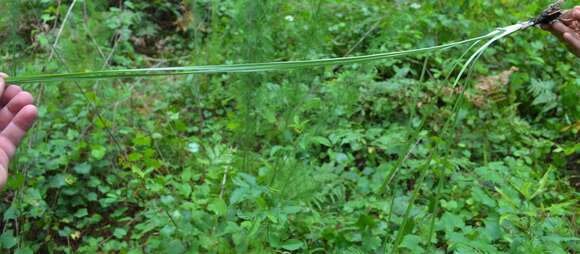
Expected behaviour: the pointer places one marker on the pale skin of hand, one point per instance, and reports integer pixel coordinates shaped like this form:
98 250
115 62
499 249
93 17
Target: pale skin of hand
568 30
17 114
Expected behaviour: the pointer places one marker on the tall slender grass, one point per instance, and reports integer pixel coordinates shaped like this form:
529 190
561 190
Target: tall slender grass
240 68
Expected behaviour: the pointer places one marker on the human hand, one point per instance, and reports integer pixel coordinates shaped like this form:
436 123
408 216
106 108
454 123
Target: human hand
17 114
568 29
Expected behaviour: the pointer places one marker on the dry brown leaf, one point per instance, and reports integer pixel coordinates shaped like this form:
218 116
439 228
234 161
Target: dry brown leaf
488 88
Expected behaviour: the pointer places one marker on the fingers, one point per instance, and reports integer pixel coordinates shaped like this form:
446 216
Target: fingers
11 136
568 22
575 13
559 29
9 93
17 115
573 41
571 15
568 30
16 103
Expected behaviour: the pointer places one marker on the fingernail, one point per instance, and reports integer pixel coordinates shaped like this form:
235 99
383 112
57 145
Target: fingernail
568 34
3 75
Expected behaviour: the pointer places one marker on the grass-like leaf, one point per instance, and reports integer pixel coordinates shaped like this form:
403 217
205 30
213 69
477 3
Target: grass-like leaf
237 68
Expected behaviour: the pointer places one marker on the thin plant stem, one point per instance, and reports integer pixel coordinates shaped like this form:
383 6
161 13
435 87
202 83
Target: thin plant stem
388 180
61 29
469 64
407 215
364 37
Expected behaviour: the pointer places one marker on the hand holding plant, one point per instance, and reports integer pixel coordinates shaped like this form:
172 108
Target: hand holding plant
568 30
17 114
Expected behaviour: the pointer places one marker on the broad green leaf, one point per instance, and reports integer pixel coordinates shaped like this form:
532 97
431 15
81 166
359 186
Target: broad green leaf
120 232
218 206
292 245
15 181
7 240
98 152
81 213
141 140
412 243
24 250
322 141
57 181
83 169
175 247
449 222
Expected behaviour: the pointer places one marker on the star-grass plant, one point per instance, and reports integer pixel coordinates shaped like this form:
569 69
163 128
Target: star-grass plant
252 67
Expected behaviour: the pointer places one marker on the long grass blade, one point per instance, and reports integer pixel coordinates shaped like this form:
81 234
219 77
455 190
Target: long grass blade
238 68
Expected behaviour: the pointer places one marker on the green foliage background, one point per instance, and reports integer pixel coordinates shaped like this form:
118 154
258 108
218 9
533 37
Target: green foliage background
291 162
